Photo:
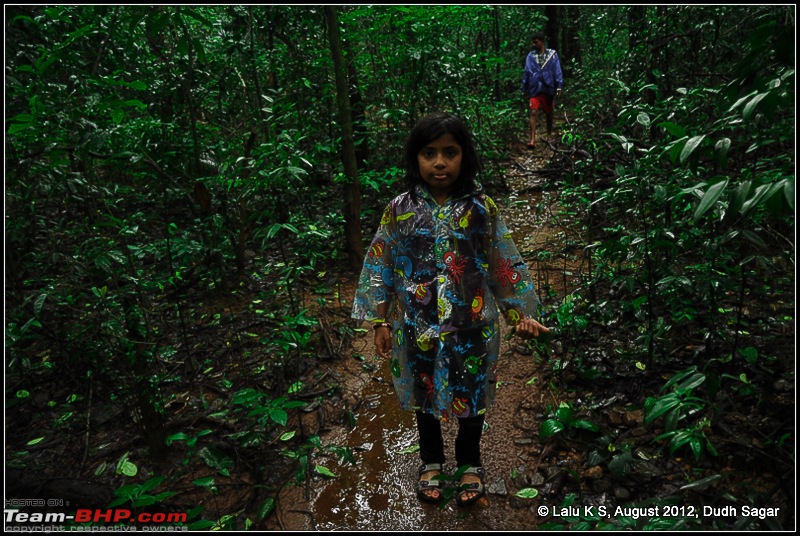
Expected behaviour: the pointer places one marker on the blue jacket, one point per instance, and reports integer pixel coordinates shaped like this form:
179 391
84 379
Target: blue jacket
535 80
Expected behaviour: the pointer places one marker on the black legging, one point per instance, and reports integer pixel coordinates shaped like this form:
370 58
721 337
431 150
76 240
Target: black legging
468 440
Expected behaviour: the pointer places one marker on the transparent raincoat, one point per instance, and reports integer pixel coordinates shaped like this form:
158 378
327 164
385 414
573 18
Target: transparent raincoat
441 275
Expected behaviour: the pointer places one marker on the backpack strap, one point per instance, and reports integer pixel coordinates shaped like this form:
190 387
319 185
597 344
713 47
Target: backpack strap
549 57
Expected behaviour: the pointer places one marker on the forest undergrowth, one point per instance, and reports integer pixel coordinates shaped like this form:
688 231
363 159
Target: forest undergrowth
239 428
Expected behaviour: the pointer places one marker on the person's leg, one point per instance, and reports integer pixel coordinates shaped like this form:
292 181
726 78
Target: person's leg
468 449
534 113
547 102
431 446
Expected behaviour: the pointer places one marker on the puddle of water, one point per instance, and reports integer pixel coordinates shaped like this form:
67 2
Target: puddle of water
374 494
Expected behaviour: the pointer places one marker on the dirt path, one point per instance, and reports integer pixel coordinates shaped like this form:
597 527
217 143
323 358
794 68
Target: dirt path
377 493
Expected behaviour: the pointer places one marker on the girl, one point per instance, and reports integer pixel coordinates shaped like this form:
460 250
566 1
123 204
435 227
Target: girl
440 270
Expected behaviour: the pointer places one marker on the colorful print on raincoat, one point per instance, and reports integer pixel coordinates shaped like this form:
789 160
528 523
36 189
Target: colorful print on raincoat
444 273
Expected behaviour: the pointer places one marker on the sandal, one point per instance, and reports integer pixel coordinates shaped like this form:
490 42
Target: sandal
476 490
424 487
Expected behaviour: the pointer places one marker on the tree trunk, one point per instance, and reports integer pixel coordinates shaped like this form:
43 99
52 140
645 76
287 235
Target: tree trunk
640 50
553 28
352 192
357 112
571 46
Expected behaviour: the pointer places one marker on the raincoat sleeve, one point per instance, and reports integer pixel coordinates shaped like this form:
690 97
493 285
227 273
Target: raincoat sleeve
509 279
530 77
375 292
559 76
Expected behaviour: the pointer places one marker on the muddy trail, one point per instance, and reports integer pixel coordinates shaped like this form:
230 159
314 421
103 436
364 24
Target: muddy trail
377 493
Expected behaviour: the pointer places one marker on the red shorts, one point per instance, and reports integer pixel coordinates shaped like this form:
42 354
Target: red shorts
543 101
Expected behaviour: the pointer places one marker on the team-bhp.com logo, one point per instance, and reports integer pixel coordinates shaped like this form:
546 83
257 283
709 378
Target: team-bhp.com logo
86 515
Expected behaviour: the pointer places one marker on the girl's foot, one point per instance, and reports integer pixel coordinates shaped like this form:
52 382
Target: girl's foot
432 493
472 487
428 488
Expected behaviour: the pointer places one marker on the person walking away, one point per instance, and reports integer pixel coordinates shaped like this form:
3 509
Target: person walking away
440 271
542 81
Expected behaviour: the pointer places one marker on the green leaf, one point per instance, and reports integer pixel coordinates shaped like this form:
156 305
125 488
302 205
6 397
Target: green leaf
564 413
117 115
265 508
754 199
750 354
788 192
126 491
679 377
696 446
656 407
216 459
676 147
527 493
129 469
690 146
35 441
205 482
740 102
246 396
671 420
679 439
702 484
742 192
709 199
691 382
279 416
324 471
143 501
751 106
180 436
100 469
126 467
136 103
585 425
721 149
151 484
13 128
39 303
550 427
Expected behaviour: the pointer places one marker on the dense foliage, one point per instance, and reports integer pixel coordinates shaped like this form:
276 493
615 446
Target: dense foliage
173 171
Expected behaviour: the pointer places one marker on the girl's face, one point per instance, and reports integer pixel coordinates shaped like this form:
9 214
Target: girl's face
440 166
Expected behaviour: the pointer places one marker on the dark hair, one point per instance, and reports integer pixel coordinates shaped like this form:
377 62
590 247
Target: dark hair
430 128
539 36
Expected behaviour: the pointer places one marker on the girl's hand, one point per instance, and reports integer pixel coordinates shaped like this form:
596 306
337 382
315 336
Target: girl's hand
383 341
528 328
